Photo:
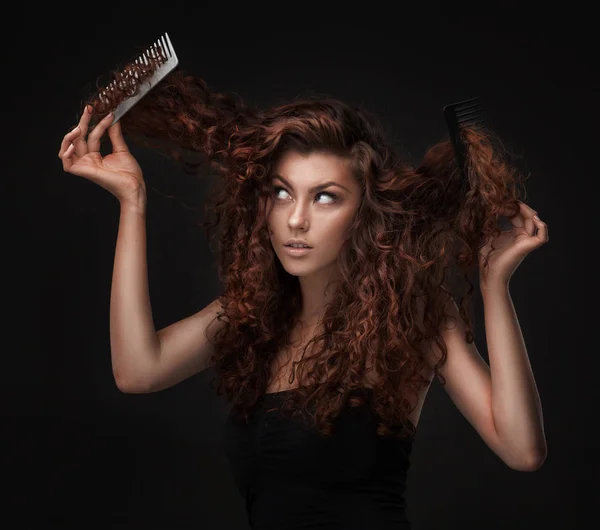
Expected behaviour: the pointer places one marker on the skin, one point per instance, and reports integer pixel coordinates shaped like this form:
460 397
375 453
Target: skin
499 399
118 172
317 217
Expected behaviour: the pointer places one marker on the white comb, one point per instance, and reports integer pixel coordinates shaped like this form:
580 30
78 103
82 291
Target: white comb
162 44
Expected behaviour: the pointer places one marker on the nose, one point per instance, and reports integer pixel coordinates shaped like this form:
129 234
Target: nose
298 219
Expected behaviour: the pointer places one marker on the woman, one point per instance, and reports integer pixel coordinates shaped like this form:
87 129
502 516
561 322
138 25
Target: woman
326 352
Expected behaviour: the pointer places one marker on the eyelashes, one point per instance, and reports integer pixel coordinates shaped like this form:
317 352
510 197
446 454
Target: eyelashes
333 196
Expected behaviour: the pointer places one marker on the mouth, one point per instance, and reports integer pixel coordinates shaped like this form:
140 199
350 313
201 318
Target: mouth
297 251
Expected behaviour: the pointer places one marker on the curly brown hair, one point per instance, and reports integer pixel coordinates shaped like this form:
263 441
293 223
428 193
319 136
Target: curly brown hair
417 230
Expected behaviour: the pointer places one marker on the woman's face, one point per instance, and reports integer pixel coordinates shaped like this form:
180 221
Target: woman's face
314 198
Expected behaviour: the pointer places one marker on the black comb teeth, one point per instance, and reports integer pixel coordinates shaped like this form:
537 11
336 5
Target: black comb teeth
464 113
467 113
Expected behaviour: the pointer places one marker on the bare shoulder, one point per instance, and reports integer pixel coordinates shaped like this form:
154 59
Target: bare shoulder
449 326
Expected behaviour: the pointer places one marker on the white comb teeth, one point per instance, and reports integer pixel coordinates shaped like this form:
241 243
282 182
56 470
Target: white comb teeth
169 62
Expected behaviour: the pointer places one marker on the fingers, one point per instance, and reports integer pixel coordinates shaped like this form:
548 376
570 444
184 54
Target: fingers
81 147
68 140
528 221
74 142
116 138
67 157
523 218
67 147
542 229
93 142
517 220
533 223
76 137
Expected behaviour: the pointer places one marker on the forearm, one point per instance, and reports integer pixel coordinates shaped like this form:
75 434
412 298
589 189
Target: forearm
133 339
516 406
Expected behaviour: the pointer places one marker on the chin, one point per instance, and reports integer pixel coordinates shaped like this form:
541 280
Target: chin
297 269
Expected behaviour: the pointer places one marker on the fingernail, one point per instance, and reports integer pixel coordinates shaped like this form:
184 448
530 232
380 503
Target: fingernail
536 217
108 115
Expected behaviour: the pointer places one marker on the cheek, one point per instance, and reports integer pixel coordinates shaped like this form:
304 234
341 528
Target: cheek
341 226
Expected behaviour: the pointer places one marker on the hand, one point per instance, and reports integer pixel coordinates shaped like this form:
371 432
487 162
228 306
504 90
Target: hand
511 246
118 173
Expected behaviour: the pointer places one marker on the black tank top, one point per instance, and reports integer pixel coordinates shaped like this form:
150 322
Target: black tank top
292 477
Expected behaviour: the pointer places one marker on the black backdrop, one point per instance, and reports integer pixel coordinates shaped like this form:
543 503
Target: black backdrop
79 452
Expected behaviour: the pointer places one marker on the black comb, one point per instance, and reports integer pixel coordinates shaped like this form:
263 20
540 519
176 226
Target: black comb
467 113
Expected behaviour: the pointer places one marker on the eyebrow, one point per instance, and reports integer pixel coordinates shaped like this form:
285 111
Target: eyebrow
315 188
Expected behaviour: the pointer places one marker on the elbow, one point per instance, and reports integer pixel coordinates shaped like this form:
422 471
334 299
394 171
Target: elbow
130 386
532 462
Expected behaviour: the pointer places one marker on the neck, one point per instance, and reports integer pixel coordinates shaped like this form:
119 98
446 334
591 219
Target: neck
317 291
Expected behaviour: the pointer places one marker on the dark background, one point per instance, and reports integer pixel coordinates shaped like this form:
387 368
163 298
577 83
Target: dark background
79 452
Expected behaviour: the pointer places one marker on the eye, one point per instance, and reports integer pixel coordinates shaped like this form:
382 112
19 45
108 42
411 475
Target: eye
276 190
333 196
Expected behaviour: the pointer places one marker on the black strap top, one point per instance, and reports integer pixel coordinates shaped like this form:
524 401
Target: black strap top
292 477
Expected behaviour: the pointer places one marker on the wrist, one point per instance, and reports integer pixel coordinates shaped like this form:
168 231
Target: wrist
134 202
492 285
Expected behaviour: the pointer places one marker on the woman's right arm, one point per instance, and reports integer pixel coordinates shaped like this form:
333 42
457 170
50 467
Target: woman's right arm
143 360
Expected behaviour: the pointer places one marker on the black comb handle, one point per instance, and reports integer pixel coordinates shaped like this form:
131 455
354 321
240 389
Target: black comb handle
467 113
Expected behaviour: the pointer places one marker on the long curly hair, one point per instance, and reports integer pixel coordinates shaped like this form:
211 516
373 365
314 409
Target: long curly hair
418 229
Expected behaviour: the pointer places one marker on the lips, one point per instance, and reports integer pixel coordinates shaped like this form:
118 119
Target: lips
296 241
297 251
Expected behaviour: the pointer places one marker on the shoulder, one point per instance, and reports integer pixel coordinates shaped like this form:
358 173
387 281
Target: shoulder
451 328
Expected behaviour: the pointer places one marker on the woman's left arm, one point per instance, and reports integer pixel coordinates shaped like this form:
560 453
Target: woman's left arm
501 399
515 403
